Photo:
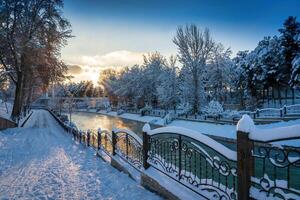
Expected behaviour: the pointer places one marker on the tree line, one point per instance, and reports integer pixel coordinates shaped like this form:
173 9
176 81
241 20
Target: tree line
81 89
204 70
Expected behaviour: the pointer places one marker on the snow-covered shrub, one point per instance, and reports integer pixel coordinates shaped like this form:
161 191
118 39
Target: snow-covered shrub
64 118
108 109
120 112
214 108
231 114
147 108
184 109
168 118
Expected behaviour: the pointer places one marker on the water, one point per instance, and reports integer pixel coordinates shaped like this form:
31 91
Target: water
93 121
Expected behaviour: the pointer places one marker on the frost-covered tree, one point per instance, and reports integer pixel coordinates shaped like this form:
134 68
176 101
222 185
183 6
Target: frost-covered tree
195 48
152 69
129 85
244 76
168 90
219 73
259 69
108 80
32 33
214 108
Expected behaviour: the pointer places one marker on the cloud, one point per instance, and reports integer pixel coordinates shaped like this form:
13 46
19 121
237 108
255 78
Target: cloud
112 59
74 69
89 67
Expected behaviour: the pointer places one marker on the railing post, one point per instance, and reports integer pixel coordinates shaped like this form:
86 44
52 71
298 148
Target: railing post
284 110
245 164
179 159
80 136
99 138
74 132
127 141
145 150
88 134
146 141
114 142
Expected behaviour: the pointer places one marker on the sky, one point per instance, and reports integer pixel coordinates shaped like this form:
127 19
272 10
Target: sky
117 33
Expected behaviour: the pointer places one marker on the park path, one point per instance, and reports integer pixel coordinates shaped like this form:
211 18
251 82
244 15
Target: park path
41 161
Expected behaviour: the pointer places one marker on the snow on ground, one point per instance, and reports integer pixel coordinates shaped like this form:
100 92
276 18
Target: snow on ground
136 117
229 131
40 161
226 130
207 128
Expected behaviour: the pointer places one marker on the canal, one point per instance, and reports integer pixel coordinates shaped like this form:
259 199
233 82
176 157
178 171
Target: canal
93 121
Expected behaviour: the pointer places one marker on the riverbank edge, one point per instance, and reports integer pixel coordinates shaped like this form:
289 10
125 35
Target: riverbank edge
114 114
145 119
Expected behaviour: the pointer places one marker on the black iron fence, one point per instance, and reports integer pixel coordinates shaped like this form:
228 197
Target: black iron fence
257 169
194 164
276 172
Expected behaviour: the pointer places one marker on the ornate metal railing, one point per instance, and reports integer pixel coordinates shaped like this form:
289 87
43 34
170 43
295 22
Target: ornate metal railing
292 109
268 170
104 141
269 113
257 170
194 162
123 142
276 172
129 147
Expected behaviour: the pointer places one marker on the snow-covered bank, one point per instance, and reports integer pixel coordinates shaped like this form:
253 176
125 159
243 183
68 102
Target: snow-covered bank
136 117
227 131
40 161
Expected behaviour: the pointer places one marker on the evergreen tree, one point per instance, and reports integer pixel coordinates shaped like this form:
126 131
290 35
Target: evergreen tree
289 39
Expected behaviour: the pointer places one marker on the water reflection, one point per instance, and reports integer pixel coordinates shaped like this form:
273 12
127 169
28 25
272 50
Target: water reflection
93 121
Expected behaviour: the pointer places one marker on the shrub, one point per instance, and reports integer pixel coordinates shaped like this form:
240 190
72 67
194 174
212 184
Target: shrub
214 108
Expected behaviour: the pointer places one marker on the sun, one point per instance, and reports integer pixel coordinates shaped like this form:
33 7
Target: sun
94 77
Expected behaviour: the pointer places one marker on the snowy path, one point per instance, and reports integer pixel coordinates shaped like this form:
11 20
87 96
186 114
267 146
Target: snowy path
40 161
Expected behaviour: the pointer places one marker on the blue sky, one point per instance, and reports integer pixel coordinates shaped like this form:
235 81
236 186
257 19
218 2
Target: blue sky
117 32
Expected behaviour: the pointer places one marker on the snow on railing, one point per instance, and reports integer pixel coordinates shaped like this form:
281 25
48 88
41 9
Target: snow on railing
129 132
180 153
292 109
246 124
220 148
128 145
268 162
269 113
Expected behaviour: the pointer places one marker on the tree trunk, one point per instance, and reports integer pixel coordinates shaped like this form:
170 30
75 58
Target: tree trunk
196 97
274 101
293 95
286 96
279 95
268 95
18 101
27 86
